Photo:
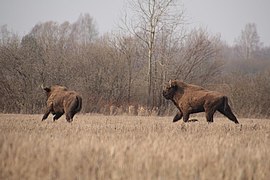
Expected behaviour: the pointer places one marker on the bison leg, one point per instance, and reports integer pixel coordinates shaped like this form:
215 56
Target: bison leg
211 108
57 116
185 117
209 116
226 111
46 114
178 116
69 116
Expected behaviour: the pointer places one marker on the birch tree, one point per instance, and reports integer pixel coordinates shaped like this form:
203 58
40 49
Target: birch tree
145 20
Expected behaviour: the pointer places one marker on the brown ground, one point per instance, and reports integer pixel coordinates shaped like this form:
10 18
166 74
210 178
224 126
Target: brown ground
132 147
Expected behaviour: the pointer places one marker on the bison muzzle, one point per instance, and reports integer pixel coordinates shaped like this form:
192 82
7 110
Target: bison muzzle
191 99
62 101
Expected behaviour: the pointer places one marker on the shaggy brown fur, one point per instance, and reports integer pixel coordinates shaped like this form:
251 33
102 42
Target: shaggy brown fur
60 101
191 99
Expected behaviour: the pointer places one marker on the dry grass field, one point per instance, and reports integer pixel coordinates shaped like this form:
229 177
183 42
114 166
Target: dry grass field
132 147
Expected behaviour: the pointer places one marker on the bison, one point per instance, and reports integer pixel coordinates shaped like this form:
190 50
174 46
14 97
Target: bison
60 100
191 99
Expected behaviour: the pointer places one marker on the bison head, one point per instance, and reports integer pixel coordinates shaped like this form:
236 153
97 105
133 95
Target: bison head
50 90
170 89
46 89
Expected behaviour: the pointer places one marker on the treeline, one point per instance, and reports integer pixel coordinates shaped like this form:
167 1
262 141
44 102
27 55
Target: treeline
112 70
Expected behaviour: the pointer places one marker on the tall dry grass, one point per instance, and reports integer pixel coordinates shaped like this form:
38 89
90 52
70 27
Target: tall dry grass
132 147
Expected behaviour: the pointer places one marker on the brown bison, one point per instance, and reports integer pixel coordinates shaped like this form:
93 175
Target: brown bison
60 101
191 99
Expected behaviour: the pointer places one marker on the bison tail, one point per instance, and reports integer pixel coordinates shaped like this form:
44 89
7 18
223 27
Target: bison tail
79 104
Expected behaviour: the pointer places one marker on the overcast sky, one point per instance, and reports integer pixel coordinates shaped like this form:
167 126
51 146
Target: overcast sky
227 17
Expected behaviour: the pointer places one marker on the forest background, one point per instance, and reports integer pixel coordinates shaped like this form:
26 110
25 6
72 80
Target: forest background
130 65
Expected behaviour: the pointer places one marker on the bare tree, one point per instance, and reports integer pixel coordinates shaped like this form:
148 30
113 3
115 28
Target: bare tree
145 22
248 42
127 47
199 57
84 29
11 73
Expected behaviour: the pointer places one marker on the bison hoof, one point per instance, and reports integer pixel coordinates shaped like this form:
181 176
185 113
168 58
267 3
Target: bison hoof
193 120
175 120
69 120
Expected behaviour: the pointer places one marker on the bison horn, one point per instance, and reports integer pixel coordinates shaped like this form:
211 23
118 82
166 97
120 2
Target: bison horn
170 83
47 89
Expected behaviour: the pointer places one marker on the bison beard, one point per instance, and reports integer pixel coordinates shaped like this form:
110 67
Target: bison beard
191 99
61 101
